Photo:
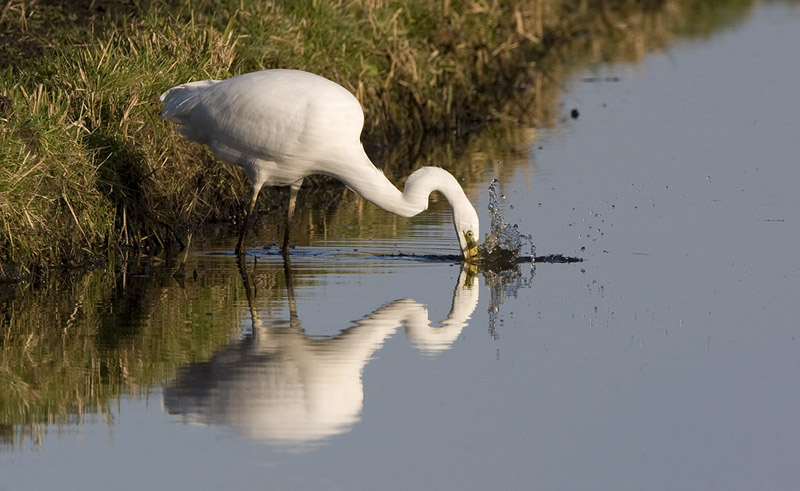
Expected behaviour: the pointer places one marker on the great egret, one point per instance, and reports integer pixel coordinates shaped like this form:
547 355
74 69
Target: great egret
283 125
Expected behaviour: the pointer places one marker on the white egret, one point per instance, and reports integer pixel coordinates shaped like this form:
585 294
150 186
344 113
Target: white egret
283 125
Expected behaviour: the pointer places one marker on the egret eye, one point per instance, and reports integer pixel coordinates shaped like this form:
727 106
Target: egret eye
469 236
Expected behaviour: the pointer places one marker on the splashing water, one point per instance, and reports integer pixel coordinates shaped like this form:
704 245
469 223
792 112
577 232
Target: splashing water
502 256
501 253
504 243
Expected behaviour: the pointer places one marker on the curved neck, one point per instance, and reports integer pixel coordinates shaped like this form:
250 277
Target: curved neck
372 185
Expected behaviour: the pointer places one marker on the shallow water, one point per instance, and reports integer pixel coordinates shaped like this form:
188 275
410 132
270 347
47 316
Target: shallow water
668 359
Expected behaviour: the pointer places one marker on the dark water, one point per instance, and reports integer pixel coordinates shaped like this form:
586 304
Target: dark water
668 359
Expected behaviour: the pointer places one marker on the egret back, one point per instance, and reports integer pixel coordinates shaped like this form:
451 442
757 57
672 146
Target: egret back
286 123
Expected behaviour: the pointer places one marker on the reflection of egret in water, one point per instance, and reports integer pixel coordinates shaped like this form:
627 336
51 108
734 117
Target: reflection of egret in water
280 386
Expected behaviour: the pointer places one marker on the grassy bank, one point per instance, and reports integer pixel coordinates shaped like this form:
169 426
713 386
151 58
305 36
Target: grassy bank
87 168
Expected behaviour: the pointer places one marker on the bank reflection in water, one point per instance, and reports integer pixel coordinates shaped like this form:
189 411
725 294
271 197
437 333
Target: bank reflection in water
280 386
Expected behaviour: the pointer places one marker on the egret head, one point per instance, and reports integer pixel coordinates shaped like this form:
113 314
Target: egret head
467 225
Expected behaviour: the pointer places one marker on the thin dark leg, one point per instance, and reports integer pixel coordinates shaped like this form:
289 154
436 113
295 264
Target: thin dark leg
240 248
293 190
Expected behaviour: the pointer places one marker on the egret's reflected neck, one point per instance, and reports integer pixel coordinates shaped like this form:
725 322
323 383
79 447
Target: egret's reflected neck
283 387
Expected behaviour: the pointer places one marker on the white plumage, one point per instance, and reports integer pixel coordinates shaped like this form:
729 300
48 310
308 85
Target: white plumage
283 125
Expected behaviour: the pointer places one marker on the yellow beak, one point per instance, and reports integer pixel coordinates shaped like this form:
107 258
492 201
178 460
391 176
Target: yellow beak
471 254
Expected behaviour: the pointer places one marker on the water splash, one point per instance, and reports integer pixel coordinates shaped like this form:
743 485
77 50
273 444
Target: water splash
501 255
504 243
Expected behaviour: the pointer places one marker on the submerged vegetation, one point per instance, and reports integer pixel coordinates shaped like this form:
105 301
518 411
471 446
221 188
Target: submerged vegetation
87 168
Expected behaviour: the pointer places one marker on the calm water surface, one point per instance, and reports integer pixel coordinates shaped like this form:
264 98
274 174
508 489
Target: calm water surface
669 359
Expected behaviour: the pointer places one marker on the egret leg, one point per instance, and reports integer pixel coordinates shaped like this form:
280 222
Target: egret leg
240 248
294 188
